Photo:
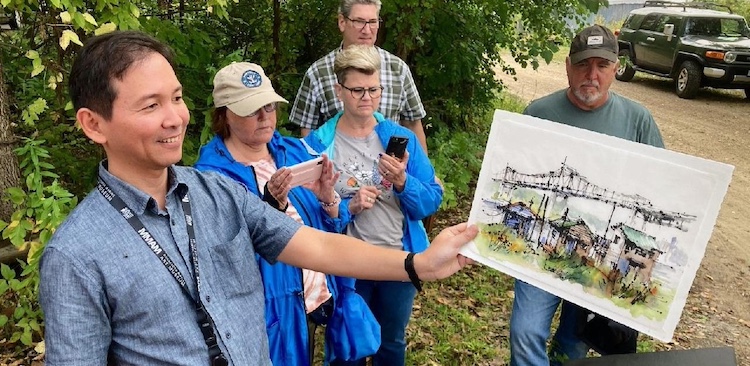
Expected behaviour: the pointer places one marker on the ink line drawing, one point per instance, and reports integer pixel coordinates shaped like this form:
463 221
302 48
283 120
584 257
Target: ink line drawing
614 226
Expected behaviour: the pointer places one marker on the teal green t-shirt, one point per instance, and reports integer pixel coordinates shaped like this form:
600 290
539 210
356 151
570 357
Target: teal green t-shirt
619 117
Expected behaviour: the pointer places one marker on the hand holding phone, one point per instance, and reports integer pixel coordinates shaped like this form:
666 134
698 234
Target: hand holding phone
397 146
308 171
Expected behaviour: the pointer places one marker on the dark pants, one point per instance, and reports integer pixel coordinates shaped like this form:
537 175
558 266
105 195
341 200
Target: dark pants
317 317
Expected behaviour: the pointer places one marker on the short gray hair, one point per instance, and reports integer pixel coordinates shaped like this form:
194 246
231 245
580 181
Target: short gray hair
345 6
364 59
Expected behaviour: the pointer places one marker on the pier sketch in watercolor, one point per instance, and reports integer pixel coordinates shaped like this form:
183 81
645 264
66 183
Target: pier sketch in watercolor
614 226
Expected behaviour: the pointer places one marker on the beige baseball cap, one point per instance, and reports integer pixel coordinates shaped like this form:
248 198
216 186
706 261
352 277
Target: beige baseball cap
244 88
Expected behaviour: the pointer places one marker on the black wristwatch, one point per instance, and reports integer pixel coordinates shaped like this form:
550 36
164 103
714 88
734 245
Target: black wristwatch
409 267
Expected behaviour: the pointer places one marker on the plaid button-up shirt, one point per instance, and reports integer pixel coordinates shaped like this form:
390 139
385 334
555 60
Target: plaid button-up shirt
316 100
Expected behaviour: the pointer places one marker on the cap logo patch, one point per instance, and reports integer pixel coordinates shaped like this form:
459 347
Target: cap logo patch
595 40
251 79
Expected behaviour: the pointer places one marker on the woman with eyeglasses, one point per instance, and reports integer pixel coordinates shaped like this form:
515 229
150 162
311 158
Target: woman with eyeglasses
248 148
386 196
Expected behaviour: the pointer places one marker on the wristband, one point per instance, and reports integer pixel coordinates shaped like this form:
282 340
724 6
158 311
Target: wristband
409 267
328 205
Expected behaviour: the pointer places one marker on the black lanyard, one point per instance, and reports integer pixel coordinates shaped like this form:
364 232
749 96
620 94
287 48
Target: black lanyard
204 321
151 242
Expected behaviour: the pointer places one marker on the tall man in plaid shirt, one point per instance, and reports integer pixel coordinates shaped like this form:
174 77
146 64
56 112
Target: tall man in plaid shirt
316 100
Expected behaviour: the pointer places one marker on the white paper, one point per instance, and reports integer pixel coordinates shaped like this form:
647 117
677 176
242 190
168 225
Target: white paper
612 225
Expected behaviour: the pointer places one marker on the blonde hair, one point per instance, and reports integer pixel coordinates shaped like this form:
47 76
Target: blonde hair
364 59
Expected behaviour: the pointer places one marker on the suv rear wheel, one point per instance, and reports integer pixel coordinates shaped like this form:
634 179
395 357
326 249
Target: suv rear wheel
688 80
747 93
625 72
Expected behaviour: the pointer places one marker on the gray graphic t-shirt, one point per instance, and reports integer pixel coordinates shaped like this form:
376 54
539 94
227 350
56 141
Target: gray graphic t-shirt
357 160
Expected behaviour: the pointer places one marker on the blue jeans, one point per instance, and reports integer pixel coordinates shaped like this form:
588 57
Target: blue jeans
530 321
391 303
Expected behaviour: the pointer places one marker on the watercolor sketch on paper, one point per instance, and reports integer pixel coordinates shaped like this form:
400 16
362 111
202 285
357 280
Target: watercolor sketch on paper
615 226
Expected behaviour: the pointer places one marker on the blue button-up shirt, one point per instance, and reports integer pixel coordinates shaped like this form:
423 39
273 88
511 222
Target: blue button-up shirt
106 296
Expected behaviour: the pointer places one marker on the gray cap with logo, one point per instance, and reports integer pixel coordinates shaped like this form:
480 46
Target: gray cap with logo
244 88
594 41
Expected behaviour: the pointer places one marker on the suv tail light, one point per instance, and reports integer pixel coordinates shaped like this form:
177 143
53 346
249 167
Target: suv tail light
617 32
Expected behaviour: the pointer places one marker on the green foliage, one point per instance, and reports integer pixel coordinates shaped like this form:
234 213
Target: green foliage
457 158
457 154
741 7
453 47
19 292
41 205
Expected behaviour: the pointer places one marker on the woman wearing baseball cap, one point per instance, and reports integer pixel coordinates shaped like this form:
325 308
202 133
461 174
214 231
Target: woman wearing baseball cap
248 148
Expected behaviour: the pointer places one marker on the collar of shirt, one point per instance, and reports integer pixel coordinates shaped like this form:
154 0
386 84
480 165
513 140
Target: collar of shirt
137 200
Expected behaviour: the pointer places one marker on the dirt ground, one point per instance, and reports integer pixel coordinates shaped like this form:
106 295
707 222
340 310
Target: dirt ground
715 126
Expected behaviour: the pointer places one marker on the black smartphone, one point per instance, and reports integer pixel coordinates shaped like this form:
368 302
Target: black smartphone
397 146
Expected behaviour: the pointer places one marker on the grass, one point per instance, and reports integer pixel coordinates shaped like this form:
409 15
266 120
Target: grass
464 319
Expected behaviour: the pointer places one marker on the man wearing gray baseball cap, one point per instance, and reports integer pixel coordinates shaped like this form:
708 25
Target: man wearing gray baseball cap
586 103
594 41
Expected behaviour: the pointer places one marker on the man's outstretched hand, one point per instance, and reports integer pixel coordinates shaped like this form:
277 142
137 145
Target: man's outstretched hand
441 259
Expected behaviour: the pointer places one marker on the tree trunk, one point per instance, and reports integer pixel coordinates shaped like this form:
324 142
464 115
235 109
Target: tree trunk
275 36
9 172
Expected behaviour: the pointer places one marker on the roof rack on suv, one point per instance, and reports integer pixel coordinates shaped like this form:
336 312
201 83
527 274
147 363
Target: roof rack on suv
683 5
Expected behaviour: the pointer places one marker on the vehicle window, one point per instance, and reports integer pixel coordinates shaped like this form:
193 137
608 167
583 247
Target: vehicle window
704 27
733 28
629 22
664 20
649 23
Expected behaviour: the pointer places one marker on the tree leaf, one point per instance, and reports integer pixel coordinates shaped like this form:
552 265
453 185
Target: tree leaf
37 65
17 195
105 28
40 348
37 246
65 17
16 285
64 40
7 272
90 19
33 324
67 37
32 55
26 337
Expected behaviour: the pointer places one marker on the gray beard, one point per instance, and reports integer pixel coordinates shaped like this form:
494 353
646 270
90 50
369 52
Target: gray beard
587 99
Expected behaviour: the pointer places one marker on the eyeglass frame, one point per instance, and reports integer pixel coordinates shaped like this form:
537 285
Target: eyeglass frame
362 90
268 108
372 22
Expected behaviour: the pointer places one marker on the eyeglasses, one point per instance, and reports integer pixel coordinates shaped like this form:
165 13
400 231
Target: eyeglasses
270 107
359 93
360 24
